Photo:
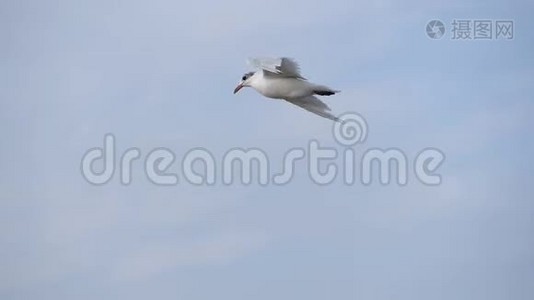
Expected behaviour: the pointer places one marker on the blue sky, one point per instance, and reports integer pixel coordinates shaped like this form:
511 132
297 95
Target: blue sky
161 74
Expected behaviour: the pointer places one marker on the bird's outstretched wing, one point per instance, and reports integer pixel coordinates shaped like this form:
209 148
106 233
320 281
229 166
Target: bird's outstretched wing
283 67
314 105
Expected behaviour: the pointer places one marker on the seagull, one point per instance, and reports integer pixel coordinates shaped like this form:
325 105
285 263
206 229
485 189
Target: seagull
280 78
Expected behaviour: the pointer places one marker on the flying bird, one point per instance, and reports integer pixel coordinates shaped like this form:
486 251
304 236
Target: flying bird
280 78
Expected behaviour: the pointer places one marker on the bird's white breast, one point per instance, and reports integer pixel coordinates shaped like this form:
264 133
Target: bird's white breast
282 88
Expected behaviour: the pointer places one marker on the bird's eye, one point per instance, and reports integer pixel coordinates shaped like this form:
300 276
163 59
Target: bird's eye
244 78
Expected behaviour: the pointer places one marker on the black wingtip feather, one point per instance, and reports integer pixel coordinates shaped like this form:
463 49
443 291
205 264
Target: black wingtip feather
324 93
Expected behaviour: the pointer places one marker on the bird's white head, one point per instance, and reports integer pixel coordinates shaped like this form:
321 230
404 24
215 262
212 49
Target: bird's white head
245 81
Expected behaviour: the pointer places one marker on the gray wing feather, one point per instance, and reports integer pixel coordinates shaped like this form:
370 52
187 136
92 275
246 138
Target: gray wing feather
314 105
282 67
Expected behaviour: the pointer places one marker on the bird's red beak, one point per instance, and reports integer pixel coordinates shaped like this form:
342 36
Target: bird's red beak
238 87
